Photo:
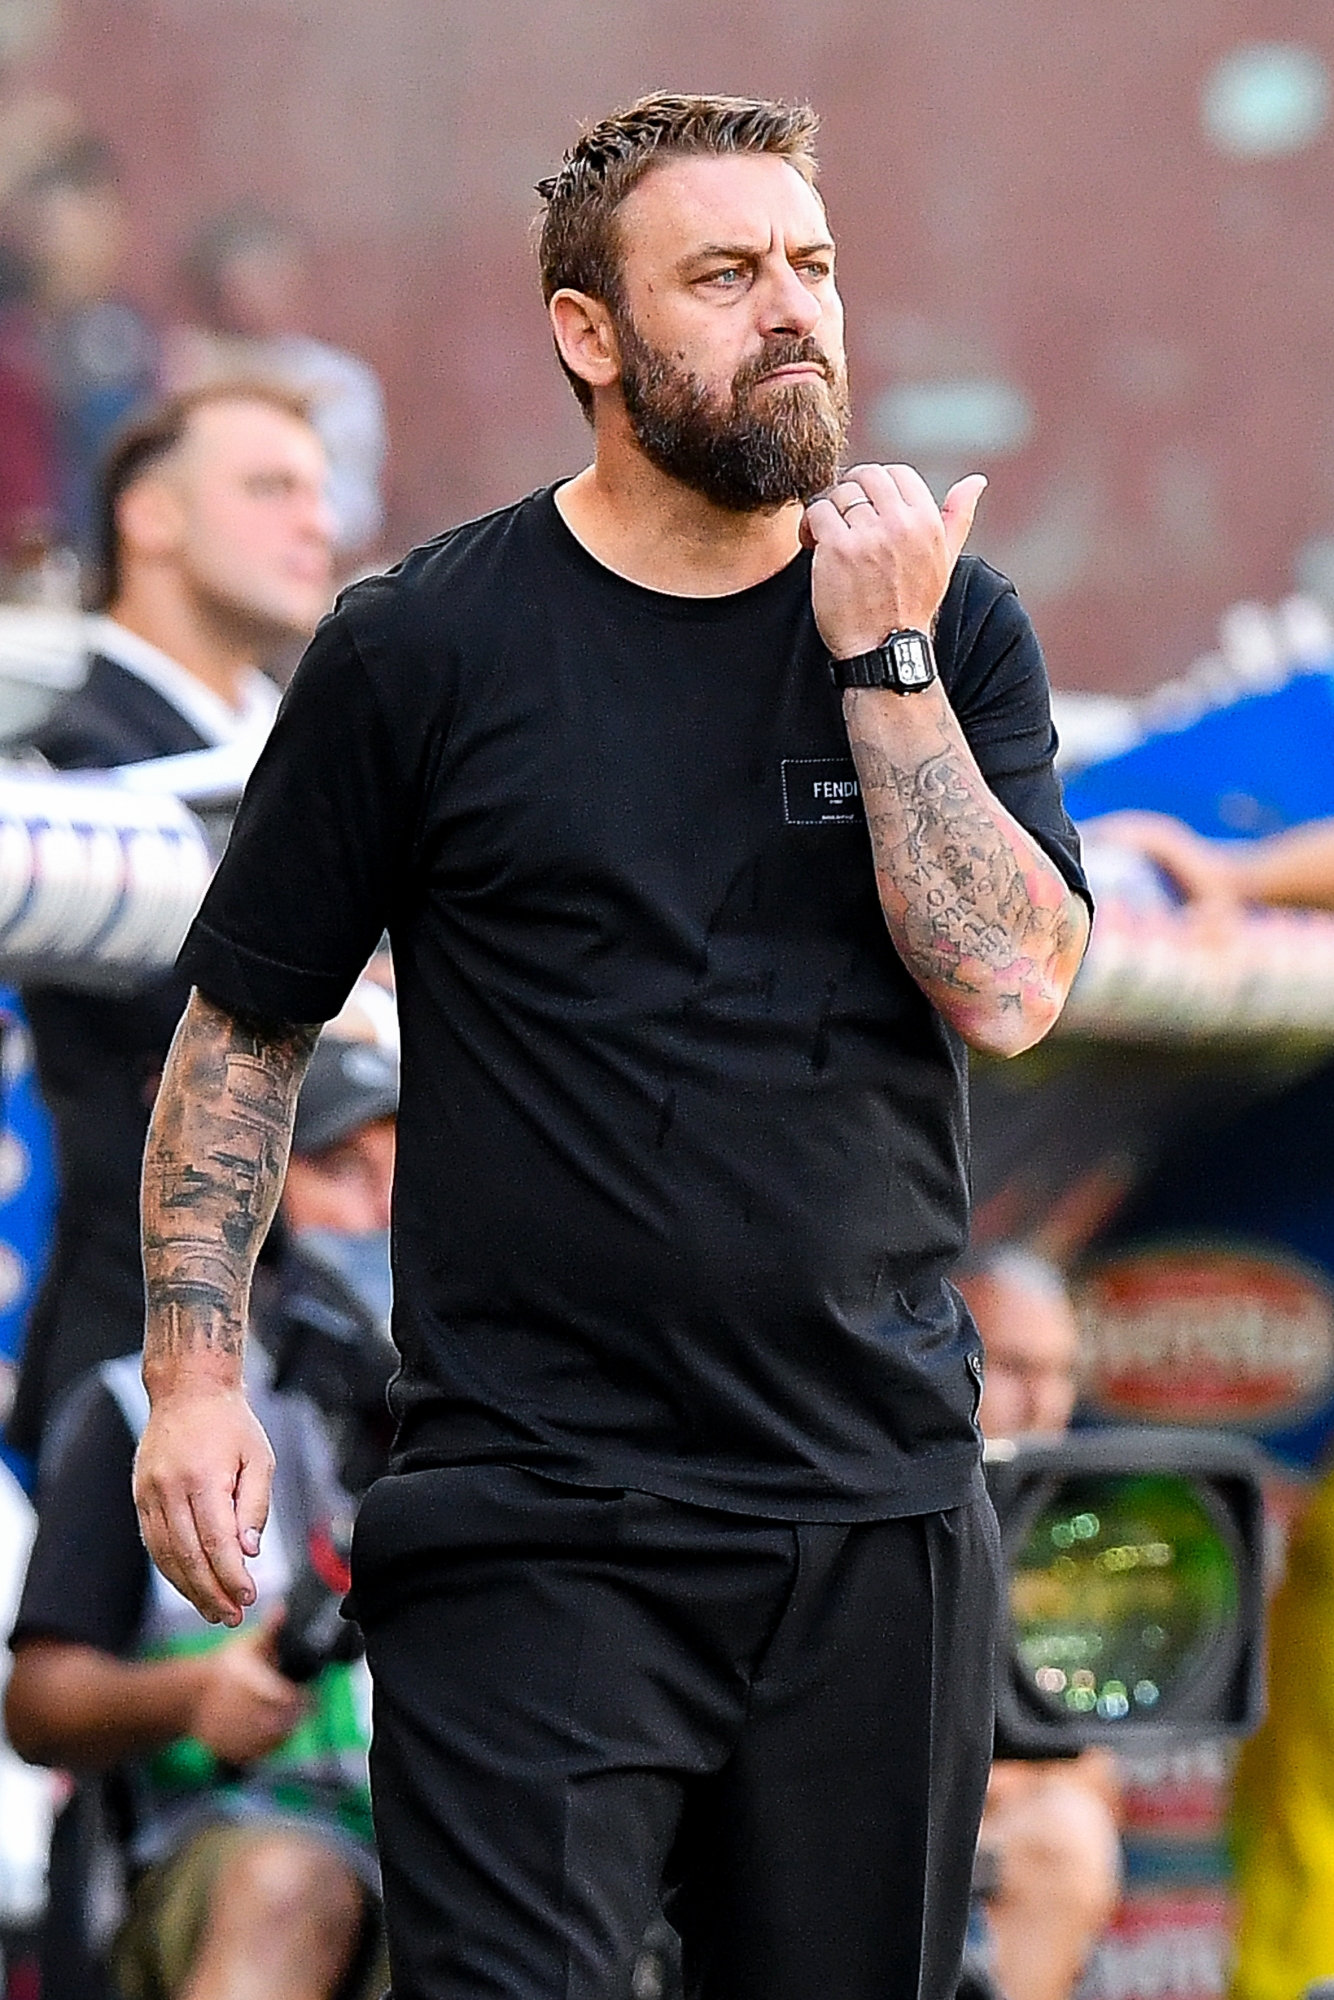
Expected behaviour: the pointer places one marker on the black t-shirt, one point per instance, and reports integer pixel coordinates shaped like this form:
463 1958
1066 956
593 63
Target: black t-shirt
682 1147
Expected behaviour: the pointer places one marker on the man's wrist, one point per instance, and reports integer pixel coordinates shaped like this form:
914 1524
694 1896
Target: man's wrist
201 1374
904 663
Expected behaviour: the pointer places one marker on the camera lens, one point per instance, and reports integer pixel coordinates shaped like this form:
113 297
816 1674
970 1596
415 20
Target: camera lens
1124 1596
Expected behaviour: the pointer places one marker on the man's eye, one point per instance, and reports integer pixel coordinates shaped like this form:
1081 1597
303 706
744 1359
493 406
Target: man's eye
732 275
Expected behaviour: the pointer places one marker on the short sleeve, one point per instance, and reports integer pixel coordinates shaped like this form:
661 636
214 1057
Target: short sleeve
88 1571
999 690
318 852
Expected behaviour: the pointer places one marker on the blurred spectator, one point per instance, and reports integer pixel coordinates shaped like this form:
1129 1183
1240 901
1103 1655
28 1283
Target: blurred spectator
336 1196
244 1798
247 278
1049 1840
34 128
217 549
29 468
98 351
1294 868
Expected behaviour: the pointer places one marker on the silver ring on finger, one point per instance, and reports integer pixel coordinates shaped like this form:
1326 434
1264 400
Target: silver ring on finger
862 500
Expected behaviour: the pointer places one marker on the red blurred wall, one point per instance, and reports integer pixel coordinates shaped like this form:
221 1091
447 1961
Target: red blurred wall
1022 190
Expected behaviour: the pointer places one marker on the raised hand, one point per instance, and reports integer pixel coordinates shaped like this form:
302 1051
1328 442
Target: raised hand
884 553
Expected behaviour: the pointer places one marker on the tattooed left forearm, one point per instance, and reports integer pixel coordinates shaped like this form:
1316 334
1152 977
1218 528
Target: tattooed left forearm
981 917
213 1171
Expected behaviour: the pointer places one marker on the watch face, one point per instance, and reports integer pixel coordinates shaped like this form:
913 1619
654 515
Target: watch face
912 660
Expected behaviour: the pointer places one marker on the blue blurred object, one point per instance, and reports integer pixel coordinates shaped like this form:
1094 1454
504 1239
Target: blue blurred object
27 1195
1265 1174
1263 763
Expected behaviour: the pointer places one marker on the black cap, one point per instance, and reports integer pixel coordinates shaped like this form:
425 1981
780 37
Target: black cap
347 1085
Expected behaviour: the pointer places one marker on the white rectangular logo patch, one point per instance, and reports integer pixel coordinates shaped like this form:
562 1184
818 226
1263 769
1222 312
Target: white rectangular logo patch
818 790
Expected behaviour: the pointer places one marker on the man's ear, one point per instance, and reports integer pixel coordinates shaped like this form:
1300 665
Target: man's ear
585 338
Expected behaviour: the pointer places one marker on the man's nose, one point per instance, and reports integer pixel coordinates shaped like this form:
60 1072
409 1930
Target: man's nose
790 306
319 521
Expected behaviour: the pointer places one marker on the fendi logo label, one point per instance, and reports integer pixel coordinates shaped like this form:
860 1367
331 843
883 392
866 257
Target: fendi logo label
819 789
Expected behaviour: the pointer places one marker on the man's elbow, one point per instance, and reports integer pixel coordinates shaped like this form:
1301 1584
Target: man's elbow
1012 1033
1007 1023
27 1721
1014 1013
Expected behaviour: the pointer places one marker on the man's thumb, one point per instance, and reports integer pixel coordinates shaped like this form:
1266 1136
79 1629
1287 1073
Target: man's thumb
958 508
252 1503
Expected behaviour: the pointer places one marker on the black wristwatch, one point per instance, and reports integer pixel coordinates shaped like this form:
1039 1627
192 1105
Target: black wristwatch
905 662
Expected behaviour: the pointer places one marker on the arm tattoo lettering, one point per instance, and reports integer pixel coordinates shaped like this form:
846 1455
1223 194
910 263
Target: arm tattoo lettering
213 1172
980 915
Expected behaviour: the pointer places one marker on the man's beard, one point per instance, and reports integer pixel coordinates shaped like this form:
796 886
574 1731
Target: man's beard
739 452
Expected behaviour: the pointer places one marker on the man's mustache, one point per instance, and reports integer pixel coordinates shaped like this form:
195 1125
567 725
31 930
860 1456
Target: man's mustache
782 354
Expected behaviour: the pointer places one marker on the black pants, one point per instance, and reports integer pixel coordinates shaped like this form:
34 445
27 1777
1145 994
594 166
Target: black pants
583 1696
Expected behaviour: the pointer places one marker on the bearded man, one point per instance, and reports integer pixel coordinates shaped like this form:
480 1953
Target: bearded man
684 1573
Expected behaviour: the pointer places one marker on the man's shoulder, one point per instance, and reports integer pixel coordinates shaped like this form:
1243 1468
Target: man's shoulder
455 570
975 589
112 718
981 623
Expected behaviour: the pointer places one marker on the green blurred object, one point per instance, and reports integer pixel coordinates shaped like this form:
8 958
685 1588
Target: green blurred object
1121 1593
1134 1571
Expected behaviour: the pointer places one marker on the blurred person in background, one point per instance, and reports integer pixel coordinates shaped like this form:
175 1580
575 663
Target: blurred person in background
34 130
216 550
242 1797
1049 1852
98 351
1294 868
685 1569
247 279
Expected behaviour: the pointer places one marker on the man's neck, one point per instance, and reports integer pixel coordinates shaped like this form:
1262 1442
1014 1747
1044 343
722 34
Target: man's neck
649 527
221 660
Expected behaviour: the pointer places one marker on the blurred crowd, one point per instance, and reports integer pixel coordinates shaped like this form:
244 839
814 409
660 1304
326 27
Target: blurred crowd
79 353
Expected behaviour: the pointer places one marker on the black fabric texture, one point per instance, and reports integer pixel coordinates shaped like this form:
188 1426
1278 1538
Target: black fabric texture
98 1060
88 1571
682 1146
790 1723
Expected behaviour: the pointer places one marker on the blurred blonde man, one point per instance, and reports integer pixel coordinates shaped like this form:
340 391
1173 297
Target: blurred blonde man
216 540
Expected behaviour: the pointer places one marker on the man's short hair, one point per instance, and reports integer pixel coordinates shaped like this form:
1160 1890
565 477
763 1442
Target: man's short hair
1016 1264
154 435
580 247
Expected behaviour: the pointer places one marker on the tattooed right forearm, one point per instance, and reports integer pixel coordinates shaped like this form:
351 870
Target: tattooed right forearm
213 1172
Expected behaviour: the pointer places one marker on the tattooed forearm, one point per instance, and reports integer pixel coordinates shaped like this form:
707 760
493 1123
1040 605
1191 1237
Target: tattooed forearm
213 1171
980 915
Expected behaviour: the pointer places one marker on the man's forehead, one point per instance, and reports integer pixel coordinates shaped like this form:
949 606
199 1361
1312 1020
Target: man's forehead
698 202
1021 1325
237 428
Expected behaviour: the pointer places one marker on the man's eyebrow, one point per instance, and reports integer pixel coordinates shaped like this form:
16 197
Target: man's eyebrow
748 252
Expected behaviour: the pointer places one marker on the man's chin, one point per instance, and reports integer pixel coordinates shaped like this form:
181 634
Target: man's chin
795 393
267 630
